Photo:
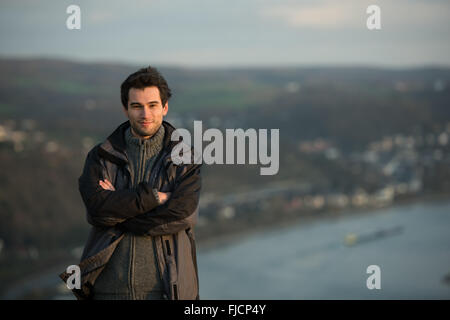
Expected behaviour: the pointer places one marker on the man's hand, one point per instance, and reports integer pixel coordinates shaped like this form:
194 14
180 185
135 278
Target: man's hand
105 184
163 196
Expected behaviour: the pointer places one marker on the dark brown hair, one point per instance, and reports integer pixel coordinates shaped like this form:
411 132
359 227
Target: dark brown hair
145 77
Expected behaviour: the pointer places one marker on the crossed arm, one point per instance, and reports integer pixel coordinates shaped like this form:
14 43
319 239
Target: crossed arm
107 185
140 211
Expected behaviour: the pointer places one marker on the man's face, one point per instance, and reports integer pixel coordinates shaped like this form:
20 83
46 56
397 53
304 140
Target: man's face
145 111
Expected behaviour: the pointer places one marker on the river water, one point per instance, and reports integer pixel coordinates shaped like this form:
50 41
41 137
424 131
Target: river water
409 243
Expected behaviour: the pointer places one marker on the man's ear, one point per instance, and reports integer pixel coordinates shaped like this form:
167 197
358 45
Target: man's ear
166 108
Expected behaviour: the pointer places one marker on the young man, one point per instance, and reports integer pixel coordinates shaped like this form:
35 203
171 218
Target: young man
142 207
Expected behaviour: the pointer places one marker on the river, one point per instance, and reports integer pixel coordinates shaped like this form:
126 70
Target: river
329 259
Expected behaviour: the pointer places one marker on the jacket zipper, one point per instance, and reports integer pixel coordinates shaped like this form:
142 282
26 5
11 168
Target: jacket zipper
138 179
142 164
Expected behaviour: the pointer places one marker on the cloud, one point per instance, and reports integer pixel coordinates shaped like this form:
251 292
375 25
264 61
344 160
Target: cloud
318 15
100 17
344 14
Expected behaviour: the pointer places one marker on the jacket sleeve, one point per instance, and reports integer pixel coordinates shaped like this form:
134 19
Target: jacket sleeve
180 212
106 208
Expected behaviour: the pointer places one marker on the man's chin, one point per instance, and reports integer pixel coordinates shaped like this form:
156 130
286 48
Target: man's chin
144 132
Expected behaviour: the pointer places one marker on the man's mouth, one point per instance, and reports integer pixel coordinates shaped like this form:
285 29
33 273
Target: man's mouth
145 123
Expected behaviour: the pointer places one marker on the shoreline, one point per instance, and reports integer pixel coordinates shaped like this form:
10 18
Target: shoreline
229 238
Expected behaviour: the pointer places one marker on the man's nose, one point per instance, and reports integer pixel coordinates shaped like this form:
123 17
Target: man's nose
146 113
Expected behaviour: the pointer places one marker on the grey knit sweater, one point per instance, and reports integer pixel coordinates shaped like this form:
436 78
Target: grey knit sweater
132 272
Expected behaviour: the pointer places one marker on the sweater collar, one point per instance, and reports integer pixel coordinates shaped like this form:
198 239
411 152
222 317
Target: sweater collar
151 146
113 148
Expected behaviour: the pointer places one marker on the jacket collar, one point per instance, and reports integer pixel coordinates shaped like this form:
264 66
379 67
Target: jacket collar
113 148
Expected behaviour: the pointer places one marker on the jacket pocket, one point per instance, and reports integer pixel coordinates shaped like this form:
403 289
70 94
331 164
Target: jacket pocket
190 235
175 291
171 262
174 285
169 251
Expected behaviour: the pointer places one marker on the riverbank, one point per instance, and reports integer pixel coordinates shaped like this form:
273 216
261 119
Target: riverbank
241 232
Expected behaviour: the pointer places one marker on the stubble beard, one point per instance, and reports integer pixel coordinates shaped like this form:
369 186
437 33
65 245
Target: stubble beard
145 132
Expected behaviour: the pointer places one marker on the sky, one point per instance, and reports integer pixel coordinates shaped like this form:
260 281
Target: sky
219 33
